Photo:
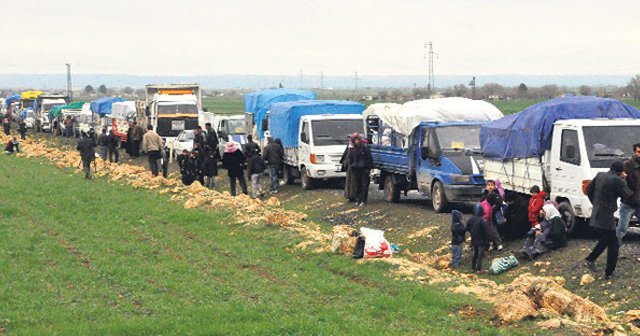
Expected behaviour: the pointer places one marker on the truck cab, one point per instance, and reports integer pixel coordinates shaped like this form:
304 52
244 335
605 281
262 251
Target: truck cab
230 128
44 107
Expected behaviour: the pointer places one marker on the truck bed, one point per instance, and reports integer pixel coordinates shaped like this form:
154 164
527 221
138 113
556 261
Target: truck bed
515 174
390 158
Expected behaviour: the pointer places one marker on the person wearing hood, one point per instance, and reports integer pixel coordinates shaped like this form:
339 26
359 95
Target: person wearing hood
86 147
233 161
359 164
517 217
479 231
274 156
491 205
458 233
550 233
535 204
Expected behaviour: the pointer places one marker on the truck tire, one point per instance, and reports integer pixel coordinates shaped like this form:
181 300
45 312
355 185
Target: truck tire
287 177
568 215
306 180
438 197
391 190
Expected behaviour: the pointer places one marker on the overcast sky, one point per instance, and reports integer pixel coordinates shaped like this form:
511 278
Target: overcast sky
337 37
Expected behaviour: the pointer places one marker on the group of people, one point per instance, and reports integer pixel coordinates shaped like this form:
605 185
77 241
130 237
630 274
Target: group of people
201 163
6 127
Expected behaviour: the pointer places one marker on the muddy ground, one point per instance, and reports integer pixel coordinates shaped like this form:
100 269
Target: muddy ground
414 226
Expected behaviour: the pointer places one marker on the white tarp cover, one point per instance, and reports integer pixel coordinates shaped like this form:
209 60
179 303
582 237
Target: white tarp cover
405 118
122 110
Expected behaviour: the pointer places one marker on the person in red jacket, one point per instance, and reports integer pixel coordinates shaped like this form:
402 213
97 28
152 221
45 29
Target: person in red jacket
535 204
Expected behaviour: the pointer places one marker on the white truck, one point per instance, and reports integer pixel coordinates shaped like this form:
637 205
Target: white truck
230 128
580 148
43 104
314 135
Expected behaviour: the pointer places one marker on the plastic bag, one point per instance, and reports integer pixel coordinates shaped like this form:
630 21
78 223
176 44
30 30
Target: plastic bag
375 246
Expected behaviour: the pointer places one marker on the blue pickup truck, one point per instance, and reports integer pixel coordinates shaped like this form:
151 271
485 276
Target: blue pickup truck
440 159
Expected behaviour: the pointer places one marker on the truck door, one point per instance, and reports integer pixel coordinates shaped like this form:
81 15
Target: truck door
304 147
426 159
565 165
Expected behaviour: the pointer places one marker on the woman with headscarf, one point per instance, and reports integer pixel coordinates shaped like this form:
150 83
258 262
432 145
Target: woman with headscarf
359 165
233 161
550 233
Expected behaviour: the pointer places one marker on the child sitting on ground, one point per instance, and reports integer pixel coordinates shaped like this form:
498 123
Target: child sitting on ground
458 233
12 146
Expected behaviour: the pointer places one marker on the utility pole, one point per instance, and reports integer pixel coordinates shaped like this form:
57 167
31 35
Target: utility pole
472 84
432 79
69 91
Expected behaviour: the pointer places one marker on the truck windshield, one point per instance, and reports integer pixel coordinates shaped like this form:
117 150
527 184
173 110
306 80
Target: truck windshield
47 107
83 118
236 126
459 137
178 109
334 132
26 103
606 144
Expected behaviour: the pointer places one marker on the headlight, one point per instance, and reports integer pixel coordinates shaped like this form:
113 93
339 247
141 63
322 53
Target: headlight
460 178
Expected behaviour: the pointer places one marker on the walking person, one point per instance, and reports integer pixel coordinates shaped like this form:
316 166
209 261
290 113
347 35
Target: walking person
479 232
152 145
136 138
630 207
210 169
233 161
274 156
603 192
6 124
22 129
112 147
86 147
255 169
102 142
251 147
458 233
359 164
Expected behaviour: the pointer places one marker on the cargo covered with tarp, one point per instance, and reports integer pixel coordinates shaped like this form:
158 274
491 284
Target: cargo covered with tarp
527 134
258 102
57 110
123 110
12 99
102 106
403 119
284 118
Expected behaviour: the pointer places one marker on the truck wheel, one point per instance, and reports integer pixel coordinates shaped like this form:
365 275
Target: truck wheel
391 190
287 177
568 215
307 182
438 197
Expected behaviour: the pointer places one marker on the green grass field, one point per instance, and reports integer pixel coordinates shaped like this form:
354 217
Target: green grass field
93 257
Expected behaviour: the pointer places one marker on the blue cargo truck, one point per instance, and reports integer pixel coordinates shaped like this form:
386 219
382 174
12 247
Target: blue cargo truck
432 146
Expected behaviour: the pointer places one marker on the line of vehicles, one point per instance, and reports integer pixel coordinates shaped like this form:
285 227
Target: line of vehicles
443 148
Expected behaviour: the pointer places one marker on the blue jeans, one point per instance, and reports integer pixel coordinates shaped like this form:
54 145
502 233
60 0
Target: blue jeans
275 179
626 212
456 255
103 153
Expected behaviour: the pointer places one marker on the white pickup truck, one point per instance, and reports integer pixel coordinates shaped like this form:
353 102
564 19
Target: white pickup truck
580 149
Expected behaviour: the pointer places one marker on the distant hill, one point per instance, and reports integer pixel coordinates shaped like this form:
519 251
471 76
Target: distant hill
265 81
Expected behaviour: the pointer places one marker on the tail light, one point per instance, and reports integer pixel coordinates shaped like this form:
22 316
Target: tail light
585 183
312 158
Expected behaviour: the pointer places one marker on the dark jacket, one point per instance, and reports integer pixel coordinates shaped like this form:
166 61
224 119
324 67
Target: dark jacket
274 154
86 146
517 217
255 165
632 168
604 191
359 158
458 230
250 148
233 163
22 127
183 163
112 142
102 140
201 141
478 228
210 166
212 141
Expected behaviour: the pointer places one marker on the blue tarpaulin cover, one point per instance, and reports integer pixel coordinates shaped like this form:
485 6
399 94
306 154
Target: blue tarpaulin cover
284 119
12 99
102 106
528 133
258 102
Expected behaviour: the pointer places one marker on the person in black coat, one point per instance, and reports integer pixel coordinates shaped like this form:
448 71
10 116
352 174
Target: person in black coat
458 233
251 147
86 147
7 125
185 168
196 163
359 163
199 141
480 234
212 140
22 129
274 156
210 169
112 147
603 192
517 216
233 161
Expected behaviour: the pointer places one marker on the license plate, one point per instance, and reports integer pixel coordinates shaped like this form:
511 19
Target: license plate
177 125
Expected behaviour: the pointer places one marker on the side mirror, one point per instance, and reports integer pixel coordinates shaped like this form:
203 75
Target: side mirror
303 137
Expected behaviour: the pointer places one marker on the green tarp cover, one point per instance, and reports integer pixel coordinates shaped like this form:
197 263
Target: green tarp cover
73 106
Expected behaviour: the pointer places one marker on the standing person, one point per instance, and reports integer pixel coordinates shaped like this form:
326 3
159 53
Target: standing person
251 147
152 145
86 147
233 161
210 169
603 192
535 204
22 129
112 147
274 156
255 169
102 142
479 232
136 138
458 233
630 206
359 162
129 144
212 140
6 124
200 141
165 160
